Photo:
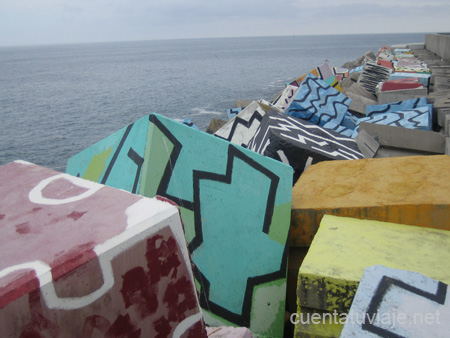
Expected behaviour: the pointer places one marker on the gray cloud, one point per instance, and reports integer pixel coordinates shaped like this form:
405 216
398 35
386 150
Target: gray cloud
58 21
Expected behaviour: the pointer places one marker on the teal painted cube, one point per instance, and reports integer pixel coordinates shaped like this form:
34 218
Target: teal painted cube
235 205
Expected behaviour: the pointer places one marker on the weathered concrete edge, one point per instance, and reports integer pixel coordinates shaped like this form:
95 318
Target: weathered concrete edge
438 44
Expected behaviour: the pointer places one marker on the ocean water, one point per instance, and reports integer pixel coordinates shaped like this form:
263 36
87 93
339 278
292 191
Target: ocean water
58 100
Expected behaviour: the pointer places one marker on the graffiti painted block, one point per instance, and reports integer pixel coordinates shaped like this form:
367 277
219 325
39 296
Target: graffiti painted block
285 97
350 121
424 78
408 190
344 247
385 63
300 143
318 103
413 68
400 84
233 112
397 303
116 160
337 128
340 73
373 74
241 128
419 118
323 72
81 259
189 123
397 106
235 205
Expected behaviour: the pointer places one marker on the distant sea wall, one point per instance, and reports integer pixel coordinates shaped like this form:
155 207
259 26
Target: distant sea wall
439 44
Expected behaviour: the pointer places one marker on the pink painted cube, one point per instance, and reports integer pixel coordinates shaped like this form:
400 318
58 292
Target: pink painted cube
79 259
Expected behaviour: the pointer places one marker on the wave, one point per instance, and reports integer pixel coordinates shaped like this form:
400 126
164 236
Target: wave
201 111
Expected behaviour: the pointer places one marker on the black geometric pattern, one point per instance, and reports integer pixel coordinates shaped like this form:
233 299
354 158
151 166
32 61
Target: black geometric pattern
300 143
241 129
371 75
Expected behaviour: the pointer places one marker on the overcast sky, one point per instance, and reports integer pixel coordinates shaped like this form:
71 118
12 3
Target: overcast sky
30 22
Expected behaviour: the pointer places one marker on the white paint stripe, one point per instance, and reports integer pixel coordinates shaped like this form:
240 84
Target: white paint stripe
283 157
23 162
35 194
106 253
139 211
308 162
186 324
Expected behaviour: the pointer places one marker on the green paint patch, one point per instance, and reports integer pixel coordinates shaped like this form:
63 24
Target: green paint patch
268 310
318 324
281 215
197 284
157 155
97 165
187 217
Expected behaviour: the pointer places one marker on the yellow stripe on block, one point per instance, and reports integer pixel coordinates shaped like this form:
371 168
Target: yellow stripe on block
344 247
412 190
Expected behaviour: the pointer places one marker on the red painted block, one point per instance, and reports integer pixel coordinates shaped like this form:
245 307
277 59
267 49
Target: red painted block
385 63
399 84
80 259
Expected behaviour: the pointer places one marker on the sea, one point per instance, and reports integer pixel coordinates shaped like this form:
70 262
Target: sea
56 100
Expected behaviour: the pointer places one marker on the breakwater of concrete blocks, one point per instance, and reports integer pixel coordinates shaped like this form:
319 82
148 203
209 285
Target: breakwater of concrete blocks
320 212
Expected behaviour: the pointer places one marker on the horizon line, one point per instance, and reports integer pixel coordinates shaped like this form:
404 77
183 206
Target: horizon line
206 38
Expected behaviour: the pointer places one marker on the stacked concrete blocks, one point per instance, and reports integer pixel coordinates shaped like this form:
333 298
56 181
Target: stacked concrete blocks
419 118
398 141
344 247
81 259
235 206
408 190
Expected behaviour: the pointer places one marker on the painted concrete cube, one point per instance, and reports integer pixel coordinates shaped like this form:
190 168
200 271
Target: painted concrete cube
419 118
396 106
323 72
344 247
318 103
424 78
300 143
80 259
398 303
409 190
373 74
233 112
242 127
340 129
285 97
115 161
235 205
